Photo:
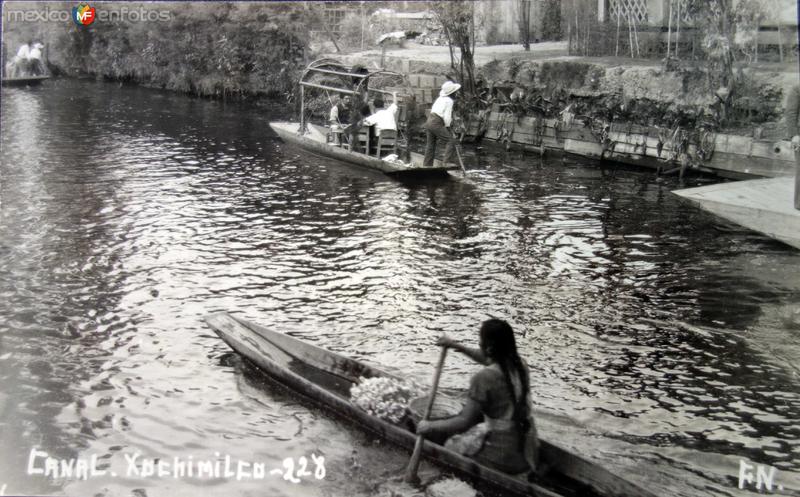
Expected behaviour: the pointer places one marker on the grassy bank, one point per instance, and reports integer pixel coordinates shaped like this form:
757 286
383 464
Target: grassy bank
649 95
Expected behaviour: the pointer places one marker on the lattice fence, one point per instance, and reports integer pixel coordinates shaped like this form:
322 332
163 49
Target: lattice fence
621 8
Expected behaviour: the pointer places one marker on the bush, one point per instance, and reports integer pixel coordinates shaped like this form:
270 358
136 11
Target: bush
235 50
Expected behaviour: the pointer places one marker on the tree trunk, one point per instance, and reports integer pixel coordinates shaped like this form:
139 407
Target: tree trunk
577 28
669 29
630 33
472 28
363 17
524 21
678 32
755 41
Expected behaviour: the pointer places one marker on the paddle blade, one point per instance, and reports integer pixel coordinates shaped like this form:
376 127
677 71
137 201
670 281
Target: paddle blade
413 465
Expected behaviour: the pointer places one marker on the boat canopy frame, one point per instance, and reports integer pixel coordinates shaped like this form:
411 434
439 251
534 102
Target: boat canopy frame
333 67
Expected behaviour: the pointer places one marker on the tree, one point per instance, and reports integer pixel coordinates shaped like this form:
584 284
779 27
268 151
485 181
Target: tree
524 20
457 18
715 18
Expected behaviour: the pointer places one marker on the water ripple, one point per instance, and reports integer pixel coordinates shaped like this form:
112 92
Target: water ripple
666 334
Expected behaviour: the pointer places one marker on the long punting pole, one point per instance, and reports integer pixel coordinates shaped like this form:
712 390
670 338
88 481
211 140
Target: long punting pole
797 179
302 109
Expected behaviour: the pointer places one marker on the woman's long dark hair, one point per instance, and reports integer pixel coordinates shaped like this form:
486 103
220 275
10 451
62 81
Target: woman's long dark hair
497 338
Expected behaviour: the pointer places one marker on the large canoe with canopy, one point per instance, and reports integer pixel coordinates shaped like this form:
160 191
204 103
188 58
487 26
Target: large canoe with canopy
328 79
324 378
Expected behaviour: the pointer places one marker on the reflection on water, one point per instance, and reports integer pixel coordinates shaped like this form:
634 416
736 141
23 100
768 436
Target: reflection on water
129 214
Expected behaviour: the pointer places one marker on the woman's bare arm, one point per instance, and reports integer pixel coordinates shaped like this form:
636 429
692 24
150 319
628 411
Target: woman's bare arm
476 355
469 416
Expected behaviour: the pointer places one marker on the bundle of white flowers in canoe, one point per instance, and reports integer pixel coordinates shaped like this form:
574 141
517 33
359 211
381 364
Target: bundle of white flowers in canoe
386 398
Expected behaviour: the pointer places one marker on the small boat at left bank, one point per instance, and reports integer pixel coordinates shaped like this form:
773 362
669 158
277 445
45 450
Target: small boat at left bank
24 80
324 378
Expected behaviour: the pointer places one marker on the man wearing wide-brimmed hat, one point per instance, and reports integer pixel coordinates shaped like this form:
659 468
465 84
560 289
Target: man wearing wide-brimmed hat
437 127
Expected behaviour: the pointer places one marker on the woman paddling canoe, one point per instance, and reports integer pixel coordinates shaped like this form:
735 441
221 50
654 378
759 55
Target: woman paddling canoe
495 426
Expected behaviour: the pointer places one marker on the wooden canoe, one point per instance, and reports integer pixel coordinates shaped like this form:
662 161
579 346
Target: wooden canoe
762 205
314 141
24 81
325 378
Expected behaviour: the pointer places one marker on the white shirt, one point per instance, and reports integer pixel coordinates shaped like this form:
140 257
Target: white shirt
24 51
384 118
443 107
334 118
35 53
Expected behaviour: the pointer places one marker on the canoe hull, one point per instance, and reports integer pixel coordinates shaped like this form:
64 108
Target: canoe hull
314 141
26 81
292 362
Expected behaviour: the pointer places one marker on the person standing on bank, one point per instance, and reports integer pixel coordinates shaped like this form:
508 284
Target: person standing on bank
495 426
437 127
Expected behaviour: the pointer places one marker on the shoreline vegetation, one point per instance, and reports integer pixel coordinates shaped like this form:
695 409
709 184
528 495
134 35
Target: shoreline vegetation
257 50
219 50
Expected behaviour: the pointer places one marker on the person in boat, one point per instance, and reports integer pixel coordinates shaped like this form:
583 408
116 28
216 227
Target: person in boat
359 111
382 118
340 117
20 63
437 127
495 426
340 112
35 64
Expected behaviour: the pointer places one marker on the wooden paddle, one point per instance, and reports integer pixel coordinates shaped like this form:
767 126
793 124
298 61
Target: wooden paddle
413 464
458 152
460 162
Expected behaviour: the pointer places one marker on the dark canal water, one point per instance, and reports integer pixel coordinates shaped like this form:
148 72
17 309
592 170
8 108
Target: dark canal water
662 342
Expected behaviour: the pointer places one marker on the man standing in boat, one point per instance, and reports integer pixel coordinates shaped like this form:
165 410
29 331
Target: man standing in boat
35 64
437 127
